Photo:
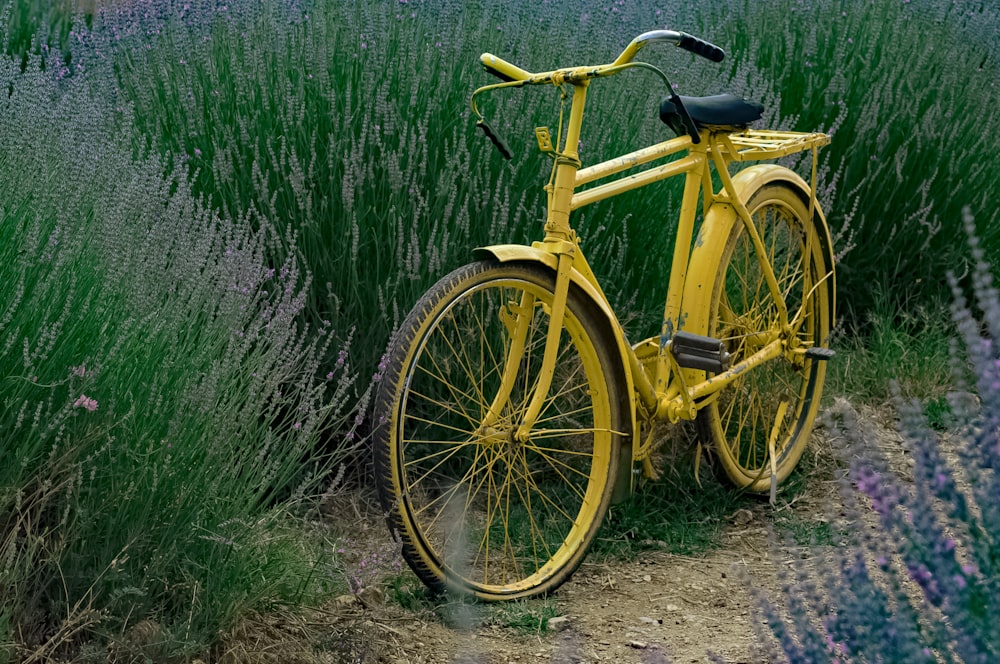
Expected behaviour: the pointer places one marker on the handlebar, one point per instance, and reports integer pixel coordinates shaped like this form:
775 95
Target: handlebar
514 76
511 73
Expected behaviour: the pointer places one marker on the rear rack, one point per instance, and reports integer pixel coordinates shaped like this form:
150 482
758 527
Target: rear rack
758 144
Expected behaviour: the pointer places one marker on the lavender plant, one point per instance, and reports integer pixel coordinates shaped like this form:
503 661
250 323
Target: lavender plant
919 578
162 401
312 114
309 113
35 26
908 90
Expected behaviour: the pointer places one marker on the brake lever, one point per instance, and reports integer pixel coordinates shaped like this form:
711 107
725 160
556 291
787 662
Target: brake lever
500 144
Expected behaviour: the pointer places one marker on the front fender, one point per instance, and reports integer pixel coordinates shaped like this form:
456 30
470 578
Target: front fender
629 449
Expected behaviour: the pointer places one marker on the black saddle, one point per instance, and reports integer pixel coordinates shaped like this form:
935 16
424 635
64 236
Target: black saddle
727 112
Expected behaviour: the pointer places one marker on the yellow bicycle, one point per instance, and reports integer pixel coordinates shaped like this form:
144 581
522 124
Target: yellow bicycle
513 409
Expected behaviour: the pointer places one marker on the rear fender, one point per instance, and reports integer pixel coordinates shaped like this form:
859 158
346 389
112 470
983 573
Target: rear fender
714 234
629 447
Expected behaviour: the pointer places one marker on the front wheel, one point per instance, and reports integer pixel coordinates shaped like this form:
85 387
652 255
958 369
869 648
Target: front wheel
477 509
760 423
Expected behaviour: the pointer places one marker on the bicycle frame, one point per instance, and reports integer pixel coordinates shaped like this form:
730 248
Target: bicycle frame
672 393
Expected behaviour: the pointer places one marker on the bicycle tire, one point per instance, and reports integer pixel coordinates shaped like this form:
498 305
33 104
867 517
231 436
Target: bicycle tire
742 420
474 510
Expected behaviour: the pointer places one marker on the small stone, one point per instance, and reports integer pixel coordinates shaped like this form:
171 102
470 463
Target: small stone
371 596
344 601
558 624
671 607
650 621
647 578
638 645
742 517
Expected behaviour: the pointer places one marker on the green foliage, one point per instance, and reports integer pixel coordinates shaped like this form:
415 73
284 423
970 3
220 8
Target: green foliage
315 120
807 531
251 138
37 27
906 348
6 636
407 590
522 616
311 116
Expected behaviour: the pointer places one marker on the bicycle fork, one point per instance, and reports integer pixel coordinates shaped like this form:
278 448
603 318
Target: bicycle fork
524 316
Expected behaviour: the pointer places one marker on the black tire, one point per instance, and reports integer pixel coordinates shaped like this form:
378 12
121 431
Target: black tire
740 422
475 510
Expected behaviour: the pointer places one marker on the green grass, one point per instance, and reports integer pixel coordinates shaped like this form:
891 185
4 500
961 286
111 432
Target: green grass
807 529
904 161
36 27
905 350
522 616
317 125
409 592
671 515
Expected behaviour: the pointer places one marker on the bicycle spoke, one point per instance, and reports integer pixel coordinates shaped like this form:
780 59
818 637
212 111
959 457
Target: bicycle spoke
551 460
565 415
423 420
446 407
468 475
545 498
536 532
452 444
439 377
450 454
552 464
473 381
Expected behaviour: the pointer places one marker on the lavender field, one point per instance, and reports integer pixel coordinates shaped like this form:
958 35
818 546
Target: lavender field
213 214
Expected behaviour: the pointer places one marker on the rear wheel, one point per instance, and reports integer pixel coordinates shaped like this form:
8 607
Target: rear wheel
475 508
776 402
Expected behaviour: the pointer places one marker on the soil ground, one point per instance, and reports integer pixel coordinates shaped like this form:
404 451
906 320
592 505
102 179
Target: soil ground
654 607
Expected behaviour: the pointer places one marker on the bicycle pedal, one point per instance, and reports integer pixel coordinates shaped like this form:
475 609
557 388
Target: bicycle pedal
694 351
820 354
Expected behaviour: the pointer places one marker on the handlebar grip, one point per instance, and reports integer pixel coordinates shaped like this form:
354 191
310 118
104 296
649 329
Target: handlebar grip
701 47
500 144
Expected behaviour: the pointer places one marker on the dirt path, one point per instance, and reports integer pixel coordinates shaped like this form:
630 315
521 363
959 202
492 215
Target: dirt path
659 607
